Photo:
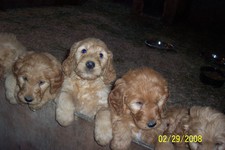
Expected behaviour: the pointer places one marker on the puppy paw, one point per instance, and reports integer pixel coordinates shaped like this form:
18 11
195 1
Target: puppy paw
103 127
64 117
122 136
103 137
11 98
12 101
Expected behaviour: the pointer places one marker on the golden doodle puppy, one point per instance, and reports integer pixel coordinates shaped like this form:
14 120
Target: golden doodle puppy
136 103
10 50
36 79
89 73
209 124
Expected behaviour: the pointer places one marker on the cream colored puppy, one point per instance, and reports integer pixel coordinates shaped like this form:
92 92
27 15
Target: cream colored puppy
36 79
209 124
88 75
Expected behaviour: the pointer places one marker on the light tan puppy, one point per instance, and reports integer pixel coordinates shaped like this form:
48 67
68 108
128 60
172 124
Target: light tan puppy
10 50
88 75
136 104
210 124
36 79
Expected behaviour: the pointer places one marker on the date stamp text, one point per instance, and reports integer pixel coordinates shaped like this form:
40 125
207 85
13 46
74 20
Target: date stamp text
179 138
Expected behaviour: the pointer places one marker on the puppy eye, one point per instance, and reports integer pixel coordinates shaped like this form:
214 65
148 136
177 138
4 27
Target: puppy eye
84 51
139 103
25 78
41 82
101 55
136 105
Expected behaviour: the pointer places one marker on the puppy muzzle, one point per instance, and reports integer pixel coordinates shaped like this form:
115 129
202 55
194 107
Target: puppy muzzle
90 65
151 123
28 98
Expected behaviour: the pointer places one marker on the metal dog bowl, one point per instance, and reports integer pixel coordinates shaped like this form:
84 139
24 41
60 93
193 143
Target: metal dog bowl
154 43
212 76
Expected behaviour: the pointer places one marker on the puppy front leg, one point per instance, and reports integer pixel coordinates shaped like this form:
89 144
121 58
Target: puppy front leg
10 87
103 127
64 109
121 136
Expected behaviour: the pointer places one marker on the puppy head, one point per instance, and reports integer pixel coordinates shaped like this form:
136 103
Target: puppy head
140 93
210 125
36 74
90 59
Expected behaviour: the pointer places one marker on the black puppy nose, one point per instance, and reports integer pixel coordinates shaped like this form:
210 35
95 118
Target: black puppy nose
28 99
90 64
151 123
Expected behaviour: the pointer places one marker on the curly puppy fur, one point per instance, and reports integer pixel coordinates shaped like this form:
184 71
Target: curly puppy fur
210 124
89 73
36 79
10 50
136 103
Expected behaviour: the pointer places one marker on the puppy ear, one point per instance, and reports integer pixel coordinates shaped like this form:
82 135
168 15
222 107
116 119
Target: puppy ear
55 74
117 97
16 69
20 62
17 65
56 81
109 73
70 62
163 99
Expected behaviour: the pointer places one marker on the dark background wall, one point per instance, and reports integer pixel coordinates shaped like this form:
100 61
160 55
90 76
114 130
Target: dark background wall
204 11
5 4
193 11
199 11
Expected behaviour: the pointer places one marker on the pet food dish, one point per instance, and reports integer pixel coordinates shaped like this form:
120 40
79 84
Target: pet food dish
212 76
158 44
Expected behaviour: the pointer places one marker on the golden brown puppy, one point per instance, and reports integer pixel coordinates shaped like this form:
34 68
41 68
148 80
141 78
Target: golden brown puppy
210 125
10 50
36 80
88 75
136 104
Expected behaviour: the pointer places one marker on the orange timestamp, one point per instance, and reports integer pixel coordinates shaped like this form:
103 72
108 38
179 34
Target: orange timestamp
180 138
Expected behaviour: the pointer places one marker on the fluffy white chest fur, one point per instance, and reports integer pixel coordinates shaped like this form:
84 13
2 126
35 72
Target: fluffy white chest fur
88 95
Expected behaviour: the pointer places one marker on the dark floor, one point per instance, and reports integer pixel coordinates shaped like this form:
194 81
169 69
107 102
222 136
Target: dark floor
55 29
22 129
